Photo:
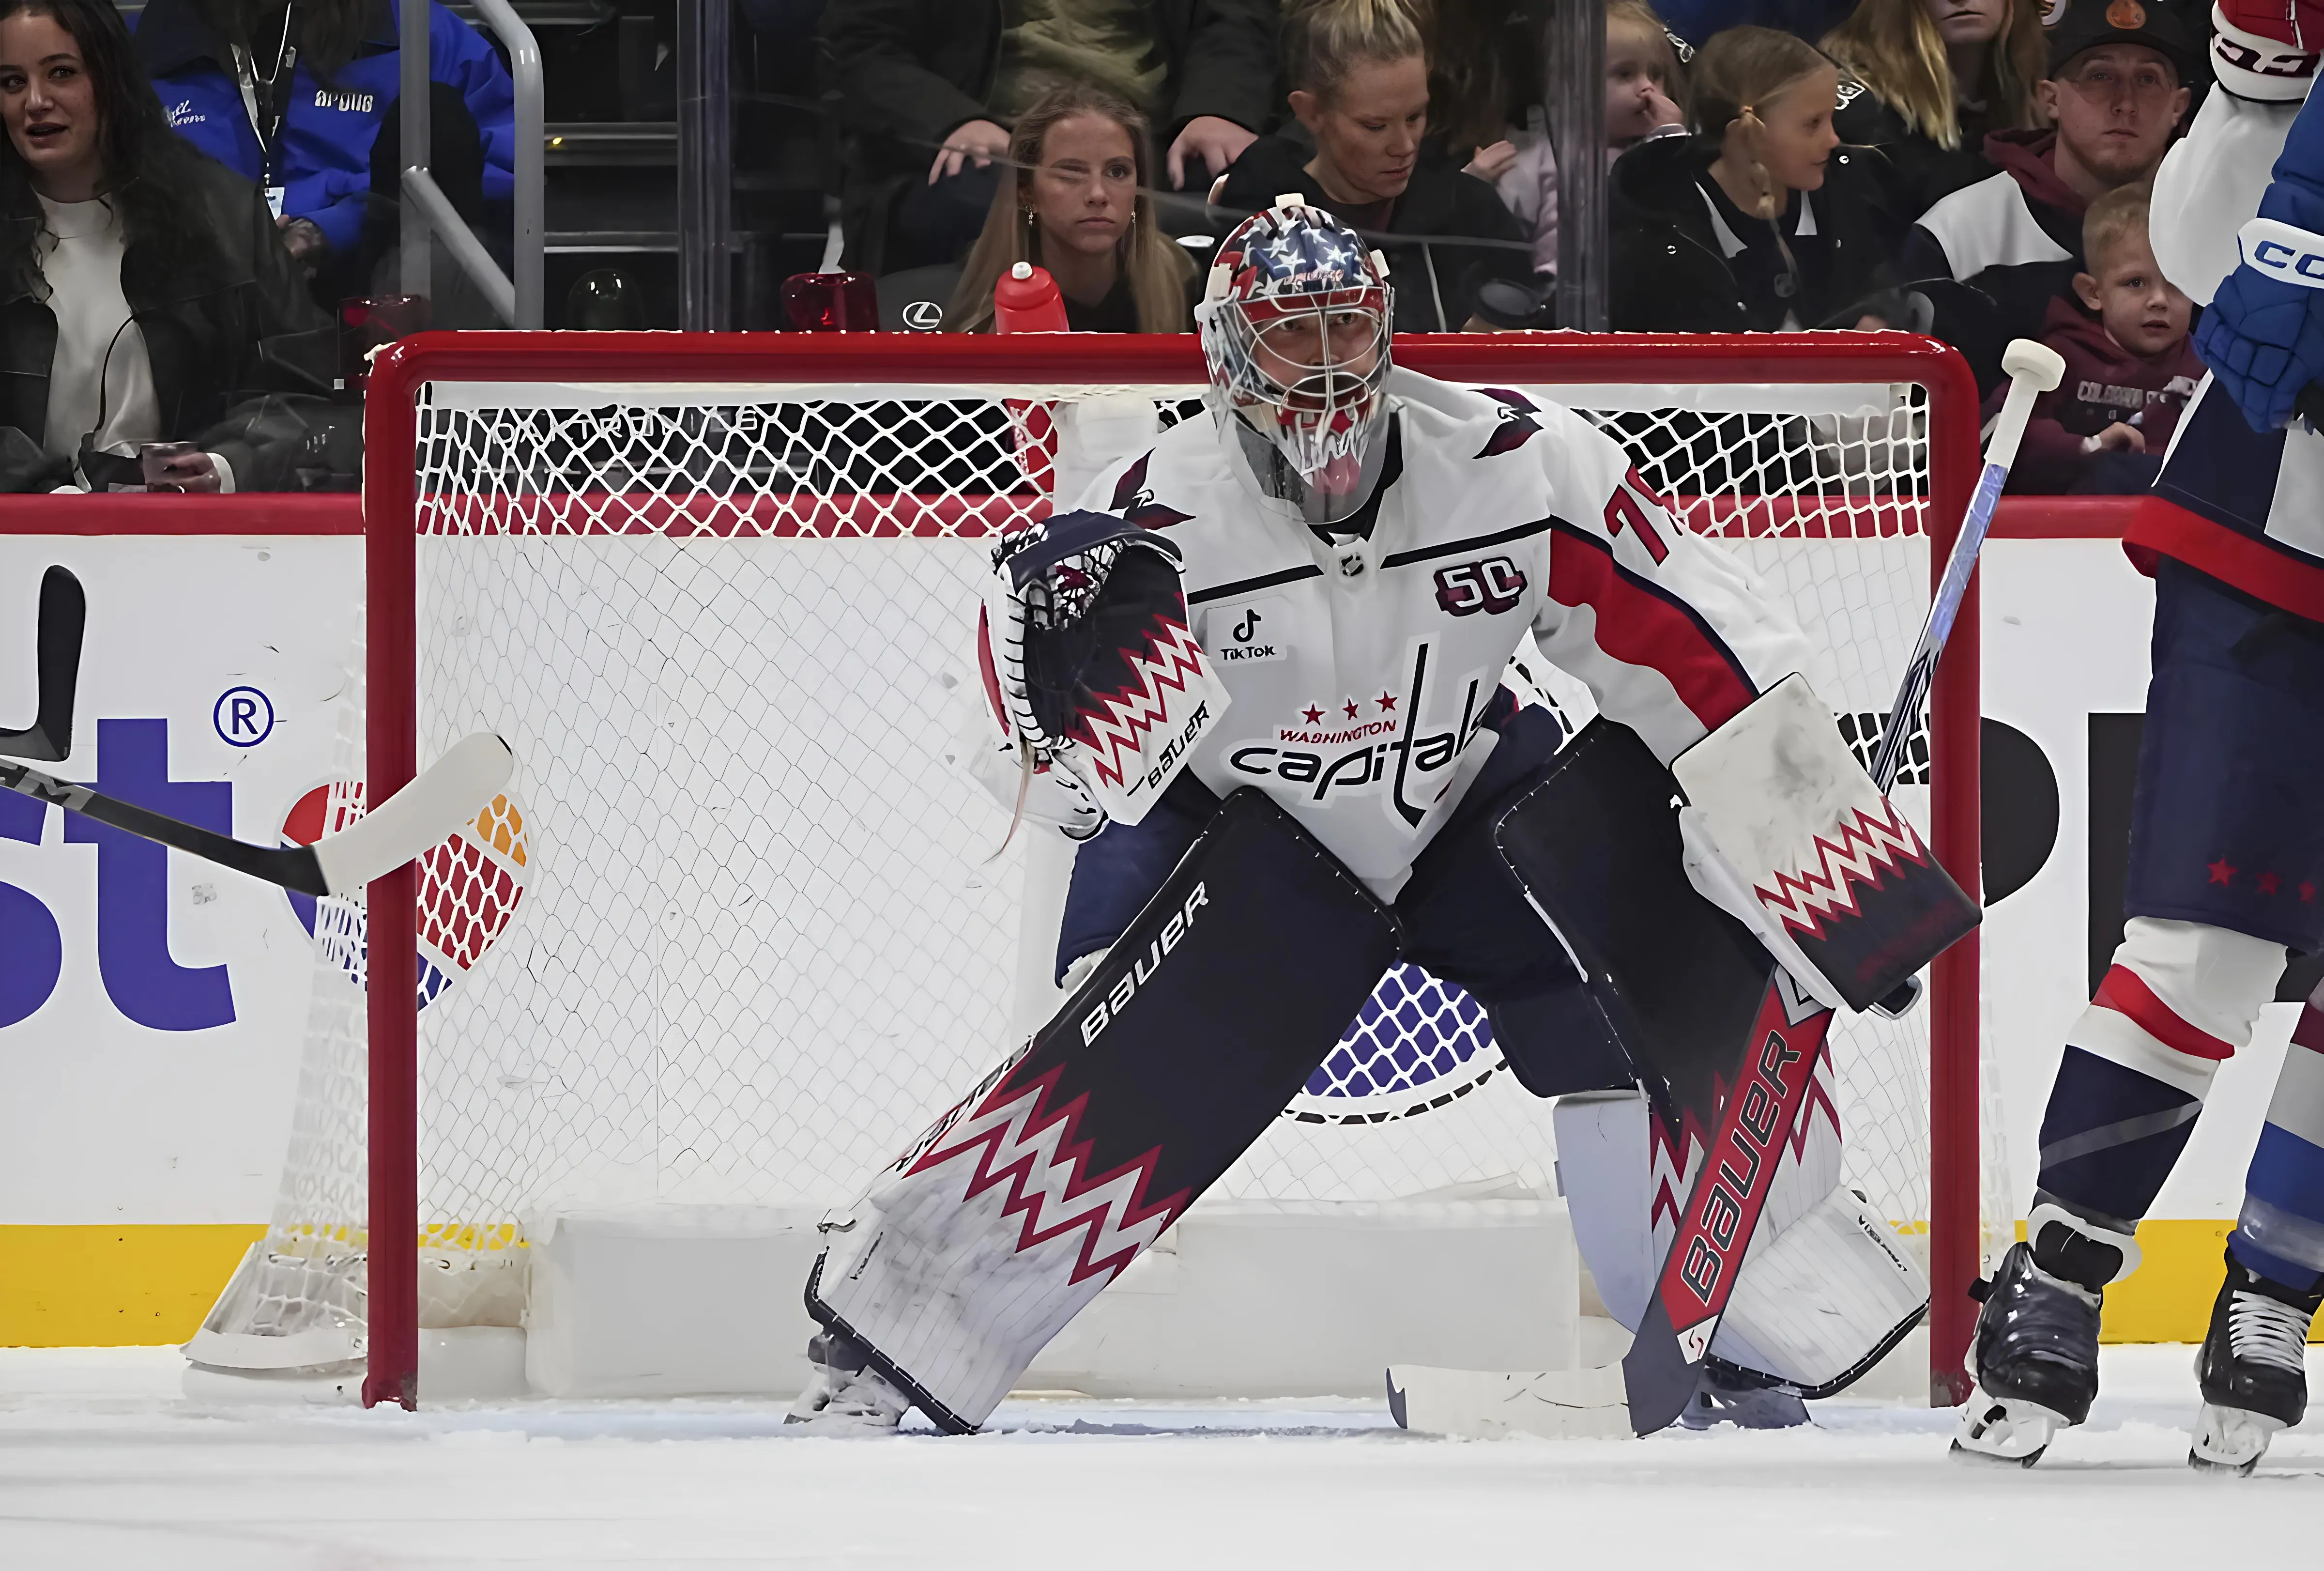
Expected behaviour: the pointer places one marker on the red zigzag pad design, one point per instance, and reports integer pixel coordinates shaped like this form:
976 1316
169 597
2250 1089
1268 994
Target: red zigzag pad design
1113 732
1669 1166
1869 849
1021 1143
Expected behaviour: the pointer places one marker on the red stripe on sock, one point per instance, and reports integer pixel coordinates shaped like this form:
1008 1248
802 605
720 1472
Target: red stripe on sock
2309 1031
2125 993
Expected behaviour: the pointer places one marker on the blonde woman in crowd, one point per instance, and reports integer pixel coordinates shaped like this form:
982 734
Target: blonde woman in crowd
1078 208
1930 78
1359 88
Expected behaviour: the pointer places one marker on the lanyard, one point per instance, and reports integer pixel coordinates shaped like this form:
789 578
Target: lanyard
273 93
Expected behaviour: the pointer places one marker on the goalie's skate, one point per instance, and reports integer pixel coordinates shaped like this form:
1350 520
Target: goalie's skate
2253 1369
846 1396
1732 1399
2036 1360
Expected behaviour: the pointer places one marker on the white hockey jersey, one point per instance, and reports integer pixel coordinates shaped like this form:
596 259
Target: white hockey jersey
2246 507
1360 671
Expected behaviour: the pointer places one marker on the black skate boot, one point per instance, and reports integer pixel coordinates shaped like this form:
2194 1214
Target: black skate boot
2253 1369
1729 1394
2035 1357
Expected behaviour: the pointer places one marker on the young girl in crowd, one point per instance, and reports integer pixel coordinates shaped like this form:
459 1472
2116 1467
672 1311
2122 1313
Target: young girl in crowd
1078 208
1758 223
1645 97
1359 75
145 294
1933 76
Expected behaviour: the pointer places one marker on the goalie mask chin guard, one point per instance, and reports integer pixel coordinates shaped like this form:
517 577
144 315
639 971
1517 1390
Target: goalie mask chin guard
1296 329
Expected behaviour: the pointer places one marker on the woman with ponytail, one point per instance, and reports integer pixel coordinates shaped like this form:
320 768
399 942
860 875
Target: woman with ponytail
1760 222
1932 78
1359 71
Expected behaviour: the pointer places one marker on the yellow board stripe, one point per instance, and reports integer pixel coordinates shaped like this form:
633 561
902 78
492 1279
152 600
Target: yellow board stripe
121 1286
151 1284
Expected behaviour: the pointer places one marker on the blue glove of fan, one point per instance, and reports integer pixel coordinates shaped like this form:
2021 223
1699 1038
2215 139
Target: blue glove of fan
2263 336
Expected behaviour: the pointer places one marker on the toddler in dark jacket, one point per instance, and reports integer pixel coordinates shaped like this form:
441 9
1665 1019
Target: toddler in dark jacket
2130 365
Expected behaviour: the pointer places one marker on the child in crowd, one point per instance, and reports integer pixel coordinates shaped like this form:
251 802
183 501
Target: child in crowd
1645 95
2130 365
1761 222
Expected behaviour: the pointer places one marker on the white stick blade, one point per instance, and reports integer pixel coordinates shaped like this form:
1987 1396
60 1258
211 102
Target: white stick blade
1472 1404
449 793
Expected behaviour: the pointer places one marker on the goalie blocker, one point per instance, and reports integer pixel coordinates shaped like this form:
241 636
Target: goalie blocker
977 1246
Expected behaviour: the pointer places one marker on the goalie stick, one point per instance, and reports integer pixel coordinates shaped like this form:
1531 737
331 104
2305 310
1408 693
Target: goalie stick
56 642
1663 1365
449 793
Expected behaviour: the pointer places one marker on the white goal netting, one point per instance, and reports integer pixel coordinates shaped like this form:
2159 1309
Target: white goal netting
739 930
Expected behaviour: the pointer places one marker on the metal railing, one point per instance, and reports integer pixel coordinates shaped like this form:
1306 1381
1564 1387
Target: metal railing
428 214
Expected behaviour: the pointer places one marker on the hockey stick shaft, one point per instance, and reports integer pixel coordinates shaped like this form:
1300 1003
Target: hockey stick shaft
1699 1271
57 641
447 794
2031 376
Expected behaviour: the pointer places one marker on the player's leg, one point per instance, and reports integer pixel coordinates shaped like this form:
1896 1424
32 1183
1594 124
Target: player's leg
2253 1368
1175 1052
1675 984
2226 856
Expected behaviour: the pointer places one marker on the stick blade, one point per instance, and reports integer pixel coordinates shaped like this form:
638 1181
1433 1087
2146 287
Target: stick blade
1472 1404
63 618
445 795
1657 1376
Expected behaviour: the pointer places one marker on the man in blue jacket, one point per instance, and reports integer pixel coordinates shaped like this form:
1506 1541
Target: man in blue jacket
299 104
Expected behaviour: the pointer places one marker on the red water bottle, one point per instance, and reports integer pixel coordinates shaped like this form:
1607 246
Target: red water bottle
1024 300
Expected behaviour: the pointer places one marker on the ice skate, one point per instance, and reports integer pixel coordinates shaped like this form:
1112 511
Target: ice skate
2035 1359
2253 1369
1722 1399
846 1396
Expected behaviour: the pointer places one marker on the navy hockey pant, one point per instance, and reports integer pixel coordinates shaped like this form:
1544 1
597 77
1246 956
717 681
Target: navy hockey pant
2227 871
1464 917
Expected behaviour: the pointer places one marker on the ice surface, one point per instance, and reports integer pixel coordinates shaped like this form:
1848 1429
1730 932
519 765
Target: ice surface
104 1463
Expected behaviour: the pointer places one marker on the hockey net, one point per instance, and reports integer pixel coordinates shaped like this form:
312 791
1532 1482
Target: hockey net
738 931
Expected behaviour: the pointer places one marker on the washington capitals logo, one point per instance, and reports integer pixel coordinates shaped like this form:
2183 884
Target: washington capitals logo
1133 499
1518 423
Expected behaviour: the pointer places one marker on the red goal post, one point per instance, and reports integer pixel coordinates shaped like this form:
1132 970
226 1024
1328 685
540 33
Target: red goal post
396 513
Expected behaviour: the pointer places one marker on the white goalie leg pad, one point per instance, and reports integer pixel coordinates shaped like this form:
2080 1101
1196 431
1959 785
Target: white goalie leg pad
1827 1298
1824 1290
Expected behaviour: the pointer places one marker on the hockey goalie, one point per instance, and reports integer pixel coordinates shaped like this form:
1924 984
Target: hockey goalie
1258 676
2226 849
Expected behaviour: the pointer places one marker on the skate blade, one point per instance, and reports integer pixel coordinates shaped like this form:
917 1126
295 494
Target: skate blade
2230 1441
2006 1429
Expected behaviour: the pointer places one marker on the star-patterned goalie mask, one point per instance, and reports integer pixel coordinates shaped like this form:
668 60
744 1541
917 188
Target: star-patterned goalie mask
1295 326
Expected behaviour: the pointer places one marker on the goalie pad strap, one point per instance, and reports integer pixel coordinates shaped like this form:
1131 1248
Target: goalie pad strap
998 1225
1847 895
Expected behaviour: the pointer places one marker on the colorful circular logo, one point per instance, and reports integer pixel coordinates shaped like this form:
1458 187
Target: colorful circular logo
469 887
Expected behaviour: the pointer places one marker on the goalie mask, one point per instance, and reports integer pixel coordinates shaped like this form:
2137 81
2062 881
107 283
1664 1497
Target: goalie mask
1294 328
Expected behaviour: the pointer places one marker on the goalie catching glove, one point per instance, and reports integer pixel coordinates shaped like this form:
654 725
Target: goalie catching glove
1089 664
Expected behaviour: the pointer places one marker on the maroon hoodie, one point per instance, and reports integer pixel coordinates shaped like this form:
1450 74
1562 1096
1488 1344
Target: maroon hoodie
2031 159
2105 384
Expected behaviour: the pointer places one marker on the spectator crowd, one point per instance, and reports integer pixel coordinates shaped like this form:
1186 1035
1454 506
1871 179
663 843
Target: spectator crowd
190 199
